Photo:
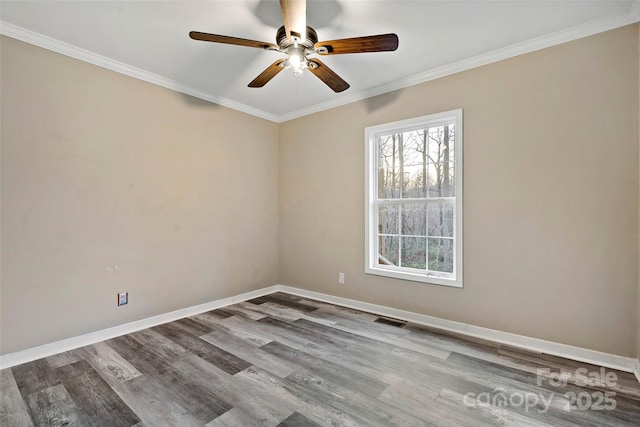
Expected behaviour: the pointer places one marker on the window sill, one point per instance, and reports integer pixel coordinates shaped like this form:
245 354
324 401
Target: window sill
415 277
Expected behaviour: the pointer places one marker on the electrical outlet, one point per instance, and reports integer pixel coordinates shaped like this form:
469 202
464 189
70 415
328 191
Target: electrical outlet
341 278
123 298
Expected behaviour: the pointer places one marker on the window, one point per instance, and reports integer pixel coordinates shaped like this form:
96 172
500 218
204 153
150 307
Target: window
414 199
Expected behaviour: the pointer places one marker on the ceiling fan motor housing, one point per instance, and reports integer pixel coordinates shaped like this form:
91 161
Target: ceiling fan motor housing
284 42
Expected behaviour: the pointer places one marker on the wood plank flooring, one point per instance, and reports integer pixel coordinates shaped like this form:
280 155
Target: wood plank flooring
282 360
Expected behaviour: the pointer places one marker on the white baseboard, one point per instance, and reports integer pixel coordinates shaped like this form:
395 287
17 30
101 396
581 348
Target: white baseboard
621 363
598 358
46 350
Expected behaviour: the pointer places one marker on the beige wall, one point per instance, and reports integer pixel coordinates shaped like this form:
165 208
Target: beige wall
102 170
551 195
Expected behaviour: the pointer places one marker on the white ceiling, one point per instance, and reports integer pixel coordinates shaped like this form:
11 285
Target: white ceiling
149 40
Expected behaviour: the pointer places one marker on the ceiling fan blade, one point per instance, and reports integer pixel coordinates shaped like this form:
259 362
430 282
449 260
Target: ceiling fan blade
230 40
378 43
267 74
328 76
294 14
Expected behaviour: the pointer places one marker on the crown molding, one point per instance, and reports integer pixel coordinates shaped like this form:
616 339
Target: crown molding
583 30
67 49
632 15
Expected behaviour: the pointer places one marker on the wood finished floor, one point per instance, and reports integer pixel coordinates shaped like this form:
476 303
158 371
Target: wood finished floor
282 360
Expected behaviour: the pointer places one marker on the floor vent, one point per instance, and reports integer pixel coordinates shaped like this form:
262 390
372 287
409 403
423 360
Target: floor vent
391 322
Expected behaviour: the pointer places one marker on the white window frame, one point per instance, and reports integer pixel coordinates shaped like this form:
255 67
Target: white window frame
372 265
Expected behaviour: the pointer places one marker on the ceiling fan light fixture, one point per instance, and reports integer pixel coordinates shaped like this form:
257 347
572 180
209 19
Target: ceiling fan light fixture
297 60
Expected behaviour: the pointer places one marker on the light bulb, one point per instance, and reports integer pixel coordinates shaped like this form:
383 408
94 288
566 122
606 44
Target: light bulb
295 60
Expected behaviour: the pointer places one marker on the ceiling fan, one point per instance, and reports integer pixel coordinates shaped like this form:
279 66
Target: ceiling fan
298 41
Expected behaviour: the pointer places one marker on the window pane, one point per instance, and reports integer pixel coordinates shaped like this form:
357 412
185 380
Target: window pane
441 144
440 219
413 147
441 180
448 188
388 250
388 184
433 175
414 184
387 152
388 217
435 144
452 138
414 220
414 252
441 255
